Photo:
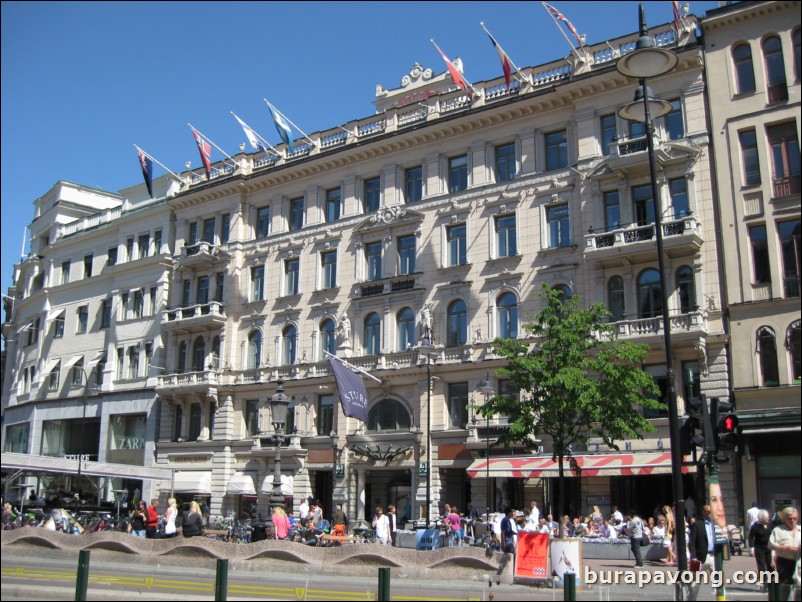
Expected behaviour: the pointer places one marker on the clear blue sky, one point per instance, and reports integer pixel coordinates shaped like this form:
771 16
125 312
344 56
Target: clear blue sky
82 82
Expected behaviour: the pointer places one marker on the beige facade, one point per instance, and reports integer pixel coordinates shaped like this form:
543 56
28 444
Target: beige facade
753 72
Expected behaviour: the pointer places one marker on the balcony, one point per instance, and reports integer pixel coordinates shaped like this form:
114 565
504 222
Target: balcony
201 254
396 284
688 326
784 187
188 382
636 243
194 318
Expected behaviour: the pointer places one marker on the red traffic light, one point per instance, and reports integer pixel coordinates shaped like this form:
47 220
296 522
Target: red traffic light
728 423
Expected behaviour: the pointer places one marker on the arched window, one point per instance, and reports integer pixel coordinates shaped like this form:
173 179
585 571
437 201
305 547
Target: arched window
182 357
216 345
289 338
373 332
744 71
686 290
254 350
564 291
389 415
794 346
507 307
775 69
406 328
767 352
198 354
650 301
328 337
457 328
616 298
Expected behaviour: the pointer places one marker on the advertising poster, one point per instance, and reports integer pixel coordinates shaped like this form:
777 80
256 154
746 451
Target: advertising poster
427 539
532 560
566 557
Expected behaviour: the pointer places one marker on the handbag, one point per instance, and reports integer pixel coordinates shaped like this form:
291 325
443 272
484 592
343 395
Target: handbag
644 540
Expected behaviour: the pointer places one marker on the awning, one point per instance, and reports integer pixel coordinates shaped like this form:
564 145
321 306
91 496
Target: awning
49 367
287 484
598 465
31 463
73 361
96 359
241 484
55 316
193 481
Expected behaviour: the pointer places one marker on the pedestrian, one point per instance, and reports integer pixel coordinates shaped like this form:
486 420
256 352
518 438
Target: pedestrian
702 545
169 518
454 522
751 518
784 541
635 531
339 521
670 541
758 543
303 511
392 516
192 525
317 512
508 532
137 525
381 526
281 523
534 513
152 520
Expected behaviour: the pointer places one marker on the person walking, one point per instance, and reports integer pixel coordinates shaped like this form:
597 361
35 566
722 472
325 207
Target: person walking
152 520
751 518
281 523
702 545
392 516
508 532
758 543
381 526
137 525
635 531
784 541
455 524
169 519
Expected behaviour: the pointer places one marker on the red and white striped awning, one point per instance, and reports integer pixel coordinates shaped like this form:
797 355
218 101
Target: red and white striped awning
598 465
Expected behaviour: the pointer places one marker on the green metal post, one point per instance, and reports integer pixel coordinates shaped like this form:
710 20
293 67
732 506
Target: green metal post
721 592
569 587
82 578
384 584
221 580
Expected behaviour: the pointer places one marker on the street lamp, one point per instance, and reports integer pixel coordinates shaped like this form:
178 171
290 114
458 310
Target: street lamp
84 401
426 348
487 391
334 454
649 61
279 403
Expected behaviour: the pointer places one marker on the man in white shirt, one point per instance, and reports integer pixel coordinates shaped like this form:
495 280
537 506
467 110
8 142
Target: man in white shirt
751 519
534 513
381 526
303 509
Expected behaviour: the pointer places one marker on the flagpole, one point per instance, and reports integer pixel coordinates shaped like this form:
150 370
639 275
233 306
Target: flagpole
352 367
209 140
465 79
290 122
522 78
270 146
177 177
553 18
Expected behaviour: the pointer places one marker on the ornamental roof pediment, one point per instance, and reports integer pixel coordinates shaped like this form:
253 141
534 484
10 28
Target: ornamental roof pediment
418 85
390 216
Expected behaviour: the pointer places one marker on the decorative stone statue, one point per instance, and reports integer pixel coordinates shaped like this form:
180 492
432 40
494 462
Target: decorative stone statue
426 322
344 328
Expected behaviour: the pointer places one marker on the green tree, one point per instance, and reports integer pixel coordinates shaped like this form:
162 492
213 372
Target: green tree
577 380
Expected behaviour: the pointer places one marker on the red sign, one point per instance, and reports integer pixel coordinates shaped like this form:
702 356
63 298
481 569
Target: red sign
532 559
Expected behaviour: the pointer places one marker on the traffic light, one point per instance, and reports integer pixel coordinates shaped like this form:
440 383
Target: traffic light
725 422
698 429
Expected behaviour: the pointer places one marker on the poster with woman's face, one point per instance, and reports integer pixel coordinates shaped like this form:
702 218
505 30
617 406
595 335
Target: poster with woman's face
717 506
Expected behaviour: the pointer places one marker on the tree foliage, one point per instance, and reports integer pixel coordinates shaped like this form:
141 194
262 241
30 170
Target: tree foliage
576 381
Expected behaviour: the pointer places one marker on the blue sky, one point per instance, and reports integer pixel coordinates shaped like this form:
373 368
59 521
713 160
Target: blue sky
83 82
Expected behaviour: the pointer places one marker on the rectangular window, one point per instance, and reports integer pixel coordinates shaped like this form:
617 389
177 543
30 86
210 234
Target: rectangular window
148 357
612 211
16 438
252 417
208 230
65 272
225 228
129 248
111 257
262 222
152 300
258 283
749 157
143 245
456 237
120 362
372 195
291 268
636 130
139 303
219 288
608 127
77 377
556 150
458 404
133 362
760 254
297 214
678 188
791 256
333 204
157 242
105 313
202 292
659 375
559 226
505 162
186 293
406 255
53 378
33 332
58 327
506 240
325 414
673 121
88 265
413 184
458 173
124 305
784 159
373 259
193 233
328 262
643 205
83 319
195 414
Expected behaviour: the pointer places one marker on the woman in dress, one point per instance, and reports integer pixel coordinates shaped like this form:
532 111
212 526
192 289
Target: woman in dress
169 518
668 540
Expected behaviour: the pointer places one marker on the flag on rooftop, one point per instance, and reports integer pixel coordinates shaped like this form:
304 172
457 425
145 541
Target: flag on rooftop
284 130
351 387
253 139
456 76
677 17
147 170
506 64
205 150
558 15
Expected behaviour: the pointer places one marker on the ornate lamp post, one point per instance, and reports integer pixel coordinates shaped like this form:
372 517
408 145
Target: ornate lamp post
487 391
334 456
649 61
279 403
426 348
